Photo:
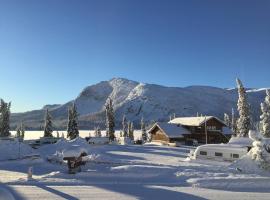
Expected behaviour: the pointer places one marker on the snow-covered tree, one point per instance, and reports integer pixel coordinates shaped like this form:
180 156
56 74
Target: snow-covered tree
243 123
72 129
97 132
110 124
48 127
227 119
260 151
124 126
233 123
4 118
130 130
143 130
265 117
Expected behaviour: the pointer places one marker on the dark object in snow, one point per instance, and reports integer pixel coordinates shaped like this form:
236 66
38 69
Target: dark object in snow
267 147
75 163
238 169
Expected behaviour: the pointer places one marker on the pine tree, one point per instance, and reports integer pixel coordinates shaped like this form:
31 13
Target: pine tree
72 129
233 123
4 118
265 117
243 123
110 124
227 119
143 130
48 128
124 126
130 130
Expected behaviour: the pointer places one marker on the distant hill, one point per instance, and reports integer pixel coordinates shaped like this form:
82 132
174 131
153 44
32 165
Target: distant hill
136 100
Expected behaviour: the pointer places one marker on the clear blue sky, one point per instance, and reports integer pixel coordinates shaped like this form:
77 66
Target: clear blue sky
50 50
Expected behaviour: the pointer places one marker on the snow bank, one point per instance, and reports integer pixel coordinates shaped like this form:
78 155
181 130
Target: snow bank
64 148
5 194
241 141
98 140
125 140
258 158
13 149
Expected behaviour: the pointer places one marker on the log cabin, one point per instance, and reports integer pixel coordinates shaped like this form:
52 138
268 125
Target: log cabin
186 130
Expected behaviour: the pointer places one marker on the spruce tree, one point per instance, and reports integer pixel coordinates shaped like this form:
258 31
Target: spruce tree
4 118
124 126
243 123
227 119
265 117
110 124
233 123
130 130
48 127
72 129
143 130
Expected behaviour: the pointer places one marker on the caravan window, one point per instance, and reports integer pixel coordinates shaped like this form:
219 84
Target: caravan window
218 154
204 153
235 155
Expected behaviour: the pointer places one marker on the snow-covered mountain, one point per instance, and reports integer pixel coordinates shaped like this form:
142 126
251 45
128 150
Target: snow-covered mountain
136 100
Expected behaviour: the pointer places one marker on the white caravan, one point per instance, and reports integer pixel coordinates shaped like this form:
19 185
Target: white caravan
220 152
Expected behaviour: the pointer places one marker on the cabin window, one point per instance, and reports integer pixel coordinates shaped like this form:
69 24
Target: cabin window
211 128
204 153
235 155
218 154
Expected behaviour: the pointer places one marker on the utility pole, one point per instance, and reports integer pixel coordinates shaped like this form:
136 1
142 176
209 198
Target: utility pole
205 129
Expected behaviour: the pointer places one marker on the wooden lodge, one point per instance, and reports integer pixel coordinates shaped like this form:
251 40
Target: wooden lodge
187 130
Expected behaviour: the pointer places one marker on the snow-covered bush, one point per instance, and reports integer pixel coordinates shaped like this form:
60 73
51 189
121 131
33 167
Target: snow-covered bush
260 151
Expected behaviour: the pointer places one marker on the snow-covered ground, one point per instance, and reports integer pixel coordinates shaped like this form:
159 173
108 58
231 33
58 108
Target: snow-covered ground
130 172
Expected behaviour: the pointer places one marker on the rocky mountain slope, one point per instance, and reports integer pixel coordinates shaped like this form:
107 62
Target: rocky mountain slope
136 100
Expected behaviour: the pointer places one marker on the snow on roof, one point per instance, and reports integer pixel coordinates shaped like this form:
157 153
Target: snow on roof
193 121
172 130
242 141
223 147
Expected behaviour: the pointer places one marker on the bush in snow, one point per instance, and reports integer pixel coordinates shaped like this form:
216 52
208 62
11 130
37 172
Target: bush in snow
48 129
72 129
260 151
265 117
4 118
243 123
110 124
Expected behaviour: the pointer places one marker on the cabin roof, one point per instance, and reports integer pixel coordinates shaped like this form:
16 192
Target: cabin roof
194 121
171 130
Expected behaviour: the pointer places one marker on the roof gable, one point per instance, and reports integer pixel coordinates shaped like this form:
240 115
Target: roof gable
171 130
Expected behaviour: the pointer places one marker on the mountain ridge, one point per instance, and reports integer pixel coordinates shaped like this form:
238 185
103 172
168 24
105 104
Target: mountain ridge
135 100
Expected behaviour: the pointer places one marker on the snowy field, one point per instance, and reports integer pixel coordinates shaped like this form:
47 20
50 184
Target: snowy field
130 172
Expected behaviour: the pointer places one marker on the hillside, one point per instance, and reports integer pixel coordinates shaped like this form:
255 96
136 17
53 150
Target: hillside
153 102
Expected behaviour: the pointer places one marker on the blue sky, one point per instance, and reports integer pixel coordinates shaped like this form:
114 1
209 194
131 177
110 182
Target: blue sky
50 50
